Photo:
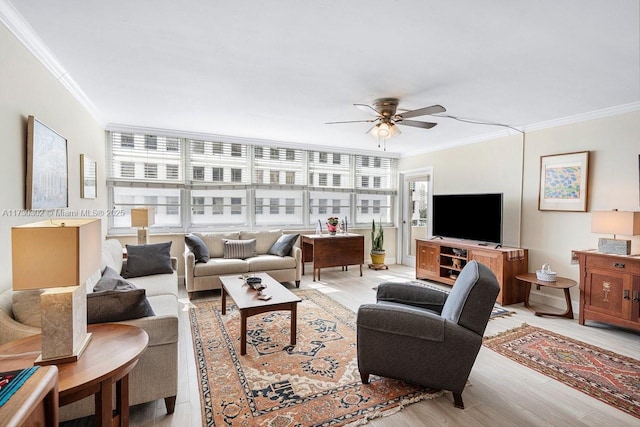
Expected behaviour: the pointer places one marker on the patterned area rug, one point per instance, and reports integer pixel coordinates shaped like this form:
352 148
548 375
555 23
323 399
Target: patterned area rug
604 375
315 383
496 312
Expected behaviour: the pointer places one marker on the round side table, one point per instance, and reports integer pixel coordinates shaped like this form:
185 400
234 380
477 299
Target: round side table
560 283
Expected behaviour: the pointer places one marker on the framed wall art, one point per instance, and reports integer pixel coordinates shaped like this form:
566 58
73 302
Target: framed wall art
563 182
47 167
88 177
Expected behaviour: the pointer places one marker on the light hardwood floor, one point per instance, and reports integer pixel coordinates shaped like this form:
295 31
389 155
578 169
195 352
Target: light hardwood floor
502 392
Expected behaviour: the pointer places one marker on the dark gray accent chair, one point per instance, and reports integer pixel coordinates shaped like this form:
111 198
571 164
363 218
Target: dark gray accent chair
424 336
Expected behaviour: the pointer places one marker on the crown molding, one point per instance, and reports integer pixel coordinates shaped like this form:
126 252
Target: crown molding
15 22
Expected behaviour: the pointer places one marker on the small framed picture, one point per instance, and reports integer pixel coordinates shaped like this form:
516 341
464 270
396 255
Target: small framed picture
563 182
88 177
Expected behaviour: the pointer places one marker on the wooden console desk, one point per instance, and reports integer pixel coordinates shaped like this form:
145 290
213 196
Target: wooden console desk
339 250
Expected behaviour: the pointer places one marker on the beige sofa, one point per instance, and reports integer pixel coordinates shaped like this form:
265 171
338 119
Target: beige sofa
205 276
156 374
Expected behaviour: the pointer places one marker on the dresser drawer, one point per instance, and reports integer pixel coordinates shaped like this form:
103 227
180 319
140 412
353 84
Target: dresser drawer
628 265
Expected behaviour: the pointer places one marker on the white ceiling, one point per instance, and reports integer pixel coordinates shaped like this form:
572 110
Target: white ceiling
278 70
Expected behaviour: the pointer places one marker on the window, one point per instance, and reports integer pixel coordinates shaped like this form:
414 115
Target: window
197 206
364 206
322 206
290 206
236 150
198 173
336 207
376 206
377 162
365 161
173 144
365 182
236 175
259 176
126 141
197 147
274 177
311 182
151 170
336 180
216 148
336 158
217 206
258 153
274 153
259 203
127 169
291 154
322 179
173 205
236 206
322 157
172 171
217 174
290 177
274 206
376 181
150 142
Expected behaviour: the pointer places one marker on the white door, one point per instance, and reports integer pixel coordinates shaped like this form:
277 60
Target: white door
416 212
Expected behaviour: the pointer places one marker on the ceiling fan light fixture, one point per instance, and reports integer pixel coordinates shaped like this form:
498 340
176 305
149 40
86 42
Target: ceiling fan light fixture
384 130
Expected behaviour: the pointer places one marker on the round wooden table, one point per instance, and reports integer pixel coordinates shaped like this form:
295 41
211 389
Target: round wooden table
560 283
111 354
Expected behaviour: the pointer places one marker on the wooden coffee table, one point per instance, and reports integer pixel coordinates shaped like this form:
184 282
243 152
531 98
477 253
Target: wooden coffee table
249 305
111 354
560 283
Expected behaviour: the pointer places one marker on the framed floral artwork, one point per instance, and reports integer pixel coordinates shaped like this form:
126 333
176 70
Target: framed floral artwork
564 180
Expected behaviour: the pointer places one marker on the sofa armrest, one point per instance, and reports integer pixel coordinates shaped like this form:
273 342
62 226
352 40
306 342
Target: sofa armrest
296 253
398 319
412 294
189 267
10 329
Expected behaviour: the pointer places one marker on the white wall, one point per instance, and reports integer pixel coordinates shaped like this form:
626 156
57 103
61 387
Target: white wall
29 89
498 165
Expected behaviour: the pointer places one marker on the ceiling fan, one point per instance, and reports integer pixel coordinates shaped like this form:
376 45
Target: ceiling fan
387 117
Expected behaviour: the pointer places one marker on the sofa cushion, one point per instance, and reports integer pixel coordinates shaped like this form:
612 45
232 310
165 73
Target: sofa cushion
239 249
113 306
283 245
26 307
111 255
143 260
215 242
221 266
264 239
158 284
112 281
271 262
198 247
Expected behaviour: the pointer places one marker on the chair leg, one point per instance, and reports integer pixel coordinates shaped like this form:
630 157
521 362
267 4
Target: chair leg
364 377
170 403
457 400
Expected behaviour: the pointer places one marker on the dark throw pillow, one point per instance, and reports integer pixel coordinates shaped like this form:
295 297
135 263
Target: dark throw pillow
145 260
239 249
112 281
115 306
198 247
282 246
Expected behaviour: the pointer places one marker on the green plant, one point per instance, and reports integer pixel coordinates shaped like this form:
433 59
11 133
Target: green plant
377 237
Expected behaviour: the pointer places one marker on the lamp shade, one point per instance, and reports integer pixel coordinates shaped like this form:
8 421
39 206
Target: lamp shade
55 253
142 217
615 222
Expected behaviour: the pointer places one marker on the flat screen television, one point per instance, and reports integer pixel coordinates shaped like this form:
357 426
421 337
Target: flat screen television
468 216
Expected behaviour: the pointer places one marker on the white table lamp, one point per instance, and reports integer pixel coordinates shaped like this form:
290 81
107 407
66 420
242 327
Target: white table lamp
58 256
142 218
615 222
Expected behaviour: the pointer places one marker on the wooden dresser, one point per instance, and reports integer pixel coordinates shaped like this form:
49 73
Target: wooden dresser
609 288
441 260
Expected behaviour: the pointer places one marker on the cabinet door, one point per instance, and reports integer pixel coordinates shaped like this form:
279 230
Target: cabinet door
604 293
427 260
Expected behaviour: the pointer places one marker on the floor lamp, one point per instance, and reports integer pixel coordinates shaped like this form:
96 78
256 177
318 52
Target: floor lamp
58 256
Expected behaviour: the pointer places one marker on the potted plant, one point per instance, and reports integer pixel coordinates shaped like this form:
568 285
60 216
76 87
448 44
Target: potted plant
377 243
332 225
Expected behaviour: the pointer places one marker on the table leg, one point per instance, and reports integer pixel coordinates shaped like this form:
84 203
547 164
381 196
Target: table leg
122 401
294 322
103 403
526 296
243 332
223 294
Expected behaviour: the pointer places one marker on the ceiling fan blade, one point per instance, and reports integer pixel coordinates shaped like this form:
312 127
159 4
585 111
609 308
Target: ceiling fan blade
416 124
351 121
368 108
434 109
